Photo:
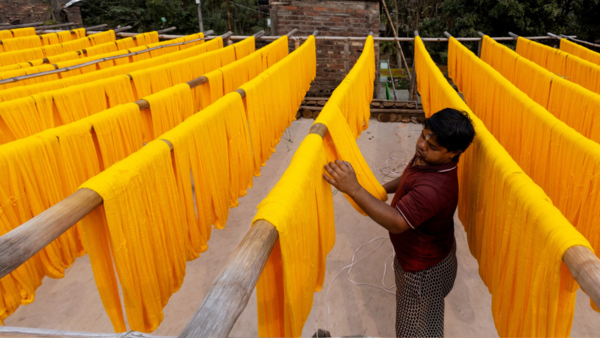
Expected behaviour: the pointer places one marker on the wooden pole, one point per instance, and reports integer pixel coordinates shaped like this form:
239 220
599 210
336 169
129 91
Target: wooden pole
346 56
580 41
412 94
33 24
166 30
55 26
229 16
400 52
16 332
95 27
480 44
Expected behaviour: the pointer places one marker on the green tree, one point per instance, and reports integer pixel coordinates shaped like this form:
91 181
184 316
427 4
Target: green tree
146 15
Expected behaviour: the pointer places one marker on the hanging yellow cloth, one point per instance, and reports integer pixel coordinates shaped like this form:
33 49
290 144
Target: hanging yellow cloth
16 33
568 66
580 51
33 41
510 114
340 144
271 107
300 206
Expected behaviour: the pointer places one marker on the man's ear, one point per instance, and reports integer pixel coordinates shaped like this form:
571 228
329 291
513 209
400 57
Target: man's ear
455 153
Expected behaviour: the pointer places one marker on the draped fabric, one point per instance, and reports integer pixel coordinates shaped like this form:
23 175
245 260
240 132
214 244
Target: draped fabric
33 41
273 97
548 151
24 117
580 51
91 144
76 60
22 91
569 102
300 205
16 33
563 64
24 55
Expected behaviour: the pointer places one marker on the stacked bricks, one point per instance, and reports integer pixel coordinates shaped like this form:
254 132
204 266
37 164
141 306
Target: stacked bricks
35 11
331 18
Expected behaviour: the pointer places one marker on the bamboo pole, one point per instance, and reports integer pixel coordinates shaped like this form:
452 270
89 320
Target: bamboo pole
21 243
33 24
479 45
166 30
412 93
231 290
96 27
580 41
56 26
66 69
400 52
15 332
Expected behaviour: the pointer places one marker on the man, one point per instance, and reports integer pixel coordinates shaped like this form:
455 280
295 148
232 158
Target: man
420 220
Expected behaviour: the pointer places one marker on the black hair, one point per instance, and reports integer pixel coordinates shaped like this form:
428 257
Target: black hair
453 129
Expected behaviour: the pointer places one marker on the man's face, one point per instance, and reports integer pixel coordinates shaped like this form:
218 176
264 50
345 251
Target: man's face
430 152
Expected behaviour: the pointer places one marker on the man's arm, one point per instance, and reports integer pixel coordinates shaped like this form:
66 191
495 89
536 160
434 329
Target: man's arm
344 179
391 186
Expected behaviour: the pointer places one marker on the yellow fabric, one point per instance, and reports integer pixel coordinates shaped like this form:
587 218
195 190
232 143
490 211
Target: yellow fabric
33 41
24 55
300 206
270 106
296 266
16 33
76 60
580 51
96 142
569 102
563 64
22 91
528 296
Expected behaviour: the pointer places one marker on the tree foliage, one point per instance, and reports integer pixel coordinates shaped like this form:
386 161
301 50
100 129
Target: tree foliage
146 15
495 18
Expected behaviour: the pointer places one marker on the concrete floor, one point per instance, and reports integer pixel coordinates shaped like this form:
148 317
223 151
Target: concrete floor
73 303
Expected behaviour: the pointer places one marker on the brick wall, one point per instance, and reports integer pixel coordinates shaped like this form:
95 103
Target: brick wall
330 18
26 11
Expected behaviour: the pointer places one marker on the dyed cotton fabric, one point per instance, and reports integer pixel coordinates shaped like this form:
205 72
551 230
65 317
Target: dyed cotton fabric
569 102
17 32
33 41
544 147
24 55
76 60
580 51
300 206
563 64
296 266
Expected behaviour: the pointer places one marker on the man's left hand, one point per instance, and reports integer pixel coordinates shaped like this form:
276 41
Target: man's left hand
342 177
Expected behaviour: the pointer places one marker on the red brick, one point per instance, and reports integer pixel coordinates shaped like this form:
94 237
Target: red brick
320 9
361 11
290 8
337 19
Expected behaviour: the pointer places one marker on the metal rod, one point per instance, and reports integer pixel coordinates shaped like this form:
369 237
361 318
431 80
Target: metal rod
166 30
66 69
513 35
200 16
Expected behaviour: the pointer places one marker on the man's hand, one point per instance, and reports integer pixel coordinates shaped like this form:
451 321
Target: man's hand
342 177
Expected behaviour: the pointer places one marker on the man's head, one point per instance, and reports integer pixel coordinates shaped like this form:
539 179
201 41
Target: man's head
446 135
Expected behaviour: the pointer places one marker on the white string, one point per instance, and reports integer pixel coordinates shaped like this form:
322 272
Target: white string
352 263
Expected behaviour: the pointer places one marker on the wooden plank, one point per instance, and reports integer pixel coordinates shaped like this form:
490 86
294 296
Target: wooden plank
231 290
7 331
585 268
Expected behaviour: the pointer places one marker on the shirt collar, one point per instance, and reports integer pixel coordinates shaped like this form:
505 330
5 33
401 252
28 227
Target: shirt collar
440 168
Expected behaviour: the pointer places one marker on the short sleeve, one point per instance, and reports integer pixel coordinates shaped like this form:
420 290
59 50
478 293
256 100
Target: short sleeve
420 204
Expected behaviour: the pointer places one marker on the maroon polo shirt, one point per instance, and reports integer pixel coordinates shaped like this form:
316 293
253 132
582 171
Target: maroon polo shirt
427 198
